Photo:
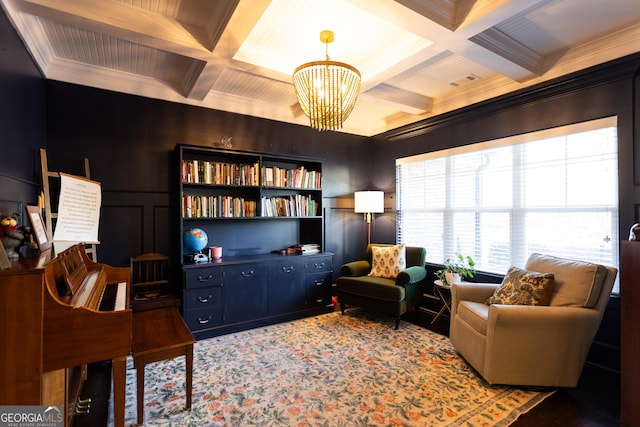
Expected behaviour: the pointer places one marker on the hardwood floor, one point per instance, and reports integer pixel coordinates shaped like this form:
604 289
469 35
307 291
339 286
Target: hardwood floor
594 403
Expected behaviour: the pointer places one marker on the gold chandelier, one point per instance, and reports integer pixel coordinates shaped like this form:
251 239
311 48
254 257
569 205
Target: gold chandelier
327 90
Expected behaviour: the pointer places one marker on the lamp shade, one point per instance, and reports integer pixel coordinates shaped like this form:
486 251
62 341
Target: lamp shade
369 201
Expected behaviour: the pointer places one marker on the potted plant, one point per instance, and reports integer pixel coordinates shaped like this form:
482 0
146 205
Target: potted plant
455 268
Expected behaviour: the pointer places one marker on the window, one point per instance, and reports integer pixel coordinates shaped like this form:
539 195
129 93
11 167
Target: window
553 192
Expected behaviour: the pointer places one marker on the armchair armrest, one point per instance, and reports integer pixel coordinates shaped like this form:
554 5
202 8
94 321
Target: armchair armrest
411 275
476 292
355 268
569 322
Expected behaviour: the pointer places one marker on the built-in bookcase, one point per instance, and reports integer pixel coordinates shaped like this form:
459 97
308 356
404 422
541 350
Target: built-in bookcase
255 206
249 203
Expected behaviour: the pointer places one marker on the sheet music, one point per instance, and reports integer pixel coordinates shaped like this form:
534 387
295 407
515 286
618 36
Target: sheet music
78 210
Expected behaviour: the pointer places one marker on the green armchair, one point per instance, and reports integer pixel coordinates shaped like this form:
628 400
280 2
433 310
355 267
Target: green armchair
383 295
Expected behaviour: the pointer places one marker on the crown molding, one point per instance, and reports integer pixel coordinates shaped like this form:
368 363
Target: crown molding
620 69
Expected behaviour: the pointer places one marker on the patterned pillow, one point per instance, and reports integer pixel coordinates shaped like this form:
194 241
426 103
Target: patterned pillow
523 287
388 261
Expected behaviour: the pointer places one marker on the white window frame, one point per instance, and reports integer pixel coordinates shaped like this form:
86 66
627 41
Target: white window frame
440 213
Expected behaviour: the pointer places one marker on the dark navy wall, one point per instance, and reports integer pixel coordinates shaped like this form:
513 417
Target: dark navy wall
22 99
129 141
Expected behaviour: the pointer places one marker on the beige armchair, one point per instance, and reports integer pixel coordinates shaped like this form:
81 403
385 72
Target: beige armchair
533 345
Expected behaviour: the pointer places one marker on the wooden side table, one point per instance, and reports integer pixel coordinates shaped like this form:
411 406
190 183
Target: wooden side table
444 293
159 335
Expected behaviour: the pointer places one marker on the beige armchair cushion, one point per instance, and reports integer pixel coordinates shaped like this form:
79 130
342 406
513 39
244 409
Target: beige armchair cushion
585 280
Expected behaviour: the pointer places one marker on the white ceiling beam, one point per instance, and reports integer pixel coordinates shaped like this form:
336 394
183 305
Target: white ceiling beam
121 21
245 17
456 41
404 100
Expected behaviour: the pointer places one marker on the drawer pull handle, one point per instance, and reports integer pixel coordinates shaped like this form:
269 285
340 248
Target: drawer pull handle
204 321
287 269
205 299
203 279
319 265
319 300
247 273
319 282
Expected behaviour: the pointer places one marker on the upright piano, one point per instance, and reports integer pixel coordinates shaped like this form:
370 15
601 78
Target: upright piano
58 314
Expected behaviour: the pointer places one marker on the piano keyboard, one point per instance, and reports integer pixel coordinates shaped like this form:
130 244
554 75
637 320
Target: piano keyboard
114 297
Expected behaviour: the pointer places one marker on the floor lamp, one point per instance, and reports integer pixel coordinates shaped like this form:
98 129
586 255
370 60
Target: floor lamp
367 203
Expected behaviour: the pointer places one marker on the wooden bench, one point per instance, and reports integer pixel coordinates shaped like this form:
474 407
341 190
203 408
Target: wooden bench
159 335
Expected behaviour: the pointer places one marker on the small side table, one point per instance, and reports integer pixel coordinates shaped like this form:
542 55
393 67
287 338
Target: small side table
444 293
160 334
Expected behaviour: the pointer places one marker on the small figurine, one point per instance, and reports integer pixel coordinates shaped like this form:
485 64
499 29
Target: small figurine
634 232
225 142
11 236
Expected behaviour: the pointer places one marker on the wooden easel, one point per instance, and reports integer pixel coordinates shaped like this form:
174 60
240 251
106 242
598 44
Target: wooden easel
49 215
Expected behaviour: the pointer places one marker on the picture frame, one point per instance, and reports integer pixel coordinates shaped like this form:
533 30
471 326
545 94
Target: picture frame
38 228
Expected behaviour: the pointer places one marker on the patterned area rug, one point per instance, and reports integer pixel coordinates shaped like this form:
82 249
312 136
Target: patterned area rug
329 370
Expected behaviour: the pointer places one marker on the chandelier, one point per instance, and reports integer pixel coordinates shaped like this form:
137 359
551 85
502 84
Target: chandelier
327 90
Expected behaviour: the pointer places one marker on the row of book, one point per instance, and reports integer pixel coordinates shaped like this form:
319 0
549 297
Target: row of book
222 173
218 207
238 207
300 177
294 205
219 173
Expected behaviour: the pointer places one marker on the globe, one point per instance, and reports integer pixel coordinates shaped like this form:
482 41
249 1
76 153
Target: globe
195 240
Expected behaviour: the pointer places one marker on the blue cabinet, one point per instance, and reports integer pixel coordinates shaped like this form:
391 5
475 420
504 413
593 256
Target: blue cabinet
236 294
318 275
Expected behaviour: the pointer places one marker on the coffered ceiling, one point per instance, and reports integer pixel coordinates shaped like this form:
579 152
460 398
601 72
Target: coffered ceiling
418 58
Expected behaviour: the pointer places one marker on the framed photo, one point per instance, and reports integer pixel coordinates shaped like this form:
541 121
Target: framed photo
37 227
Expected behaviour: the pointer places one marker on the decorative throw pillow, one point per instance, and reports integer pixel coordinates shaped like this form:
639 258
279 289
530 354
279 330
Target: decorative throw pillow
388 261
523 287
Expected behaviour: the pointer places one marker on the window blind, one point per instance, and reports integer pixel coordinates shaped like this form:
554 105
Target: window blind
552 192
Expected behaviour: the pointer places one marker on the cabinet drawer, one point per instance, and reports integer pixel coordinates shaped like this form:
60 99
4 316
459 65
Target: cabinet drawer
318 288
203 297
203 318
203 277
318 264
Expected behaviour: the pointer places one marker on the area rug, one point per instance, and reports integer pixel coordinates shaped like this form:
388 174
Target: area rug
329 370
